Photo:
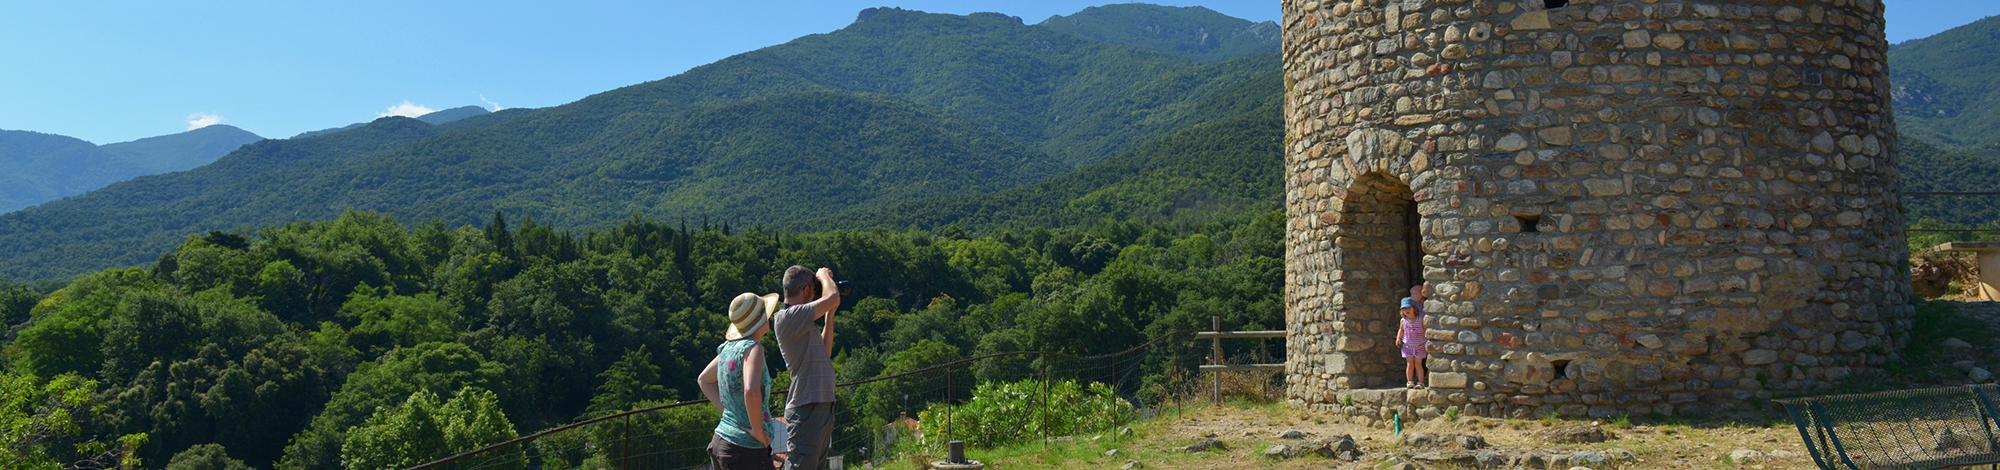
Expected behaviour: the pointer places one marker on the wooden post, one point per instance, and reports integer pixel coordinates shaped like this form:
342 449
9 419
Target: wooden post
1215 324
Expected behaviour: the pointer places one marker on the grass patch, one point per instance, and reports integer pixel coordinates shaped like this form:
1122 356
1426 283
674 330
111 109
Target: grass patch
1094 450
1934 323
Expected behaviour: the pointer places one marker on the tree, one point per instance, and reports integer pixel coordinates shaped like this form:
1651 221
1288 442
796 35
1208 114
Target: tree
36 416
630 382
205 457
421 430
68 324
384 321
16 303
428 366
880 401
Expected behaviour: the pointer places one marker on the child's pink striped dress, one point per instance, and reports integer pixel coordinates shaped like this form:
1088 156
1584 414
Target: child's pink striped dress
1412 332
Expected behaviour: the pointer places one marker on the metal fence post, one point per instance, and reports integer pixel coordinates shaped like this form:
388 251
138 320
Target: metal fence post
1043 411
947 403
625 445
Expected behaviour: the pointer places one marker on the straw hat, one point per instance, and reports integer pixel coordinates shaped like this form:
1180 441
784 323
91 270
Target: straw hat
748 312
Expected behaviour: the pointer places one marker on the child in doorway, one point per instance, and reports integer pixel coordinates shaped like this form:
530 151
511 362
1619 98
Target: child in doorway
1410 339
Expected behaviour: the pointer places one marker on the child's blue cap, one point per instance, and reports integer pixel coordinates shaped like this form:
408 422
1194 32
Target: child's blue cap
1409 302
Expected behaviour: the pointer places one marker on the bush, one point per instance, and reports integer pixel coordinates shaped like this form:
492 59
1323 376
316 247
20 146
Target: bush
670 438
423 429
1000 414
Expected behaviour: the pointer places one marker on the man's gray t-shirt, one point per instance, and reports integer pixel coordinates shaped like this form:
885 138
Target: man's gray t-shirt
805 356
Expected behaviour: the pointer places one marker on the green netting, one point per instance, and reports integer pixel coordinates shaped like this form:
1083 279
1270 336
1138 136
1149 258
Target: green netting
1904 429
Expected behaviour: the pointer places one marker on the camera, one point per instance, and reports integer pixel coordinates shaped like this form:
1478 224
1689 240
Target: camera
841 286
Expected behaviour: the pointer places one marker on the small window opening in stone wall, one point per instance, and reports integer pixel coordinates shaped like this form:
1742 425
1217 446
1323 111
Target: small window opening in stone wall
1530 223
1561 367
1554 3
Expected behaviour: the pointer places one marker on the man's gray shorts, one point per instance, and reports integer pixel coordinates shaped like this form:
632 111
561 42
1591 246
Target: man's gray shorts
812 432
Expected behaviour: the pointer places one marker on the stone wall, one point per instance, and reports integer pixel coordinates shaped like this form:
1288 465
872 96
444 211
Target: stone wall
1625 206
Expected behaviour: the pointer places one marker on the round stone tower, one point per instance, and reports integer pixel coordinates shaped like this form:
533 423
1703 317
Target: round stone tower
1616 206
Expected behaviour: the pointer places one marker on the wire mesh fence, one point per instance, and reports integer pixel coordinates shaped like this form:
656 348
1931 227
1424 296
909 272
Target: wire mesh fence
894 416
1923 428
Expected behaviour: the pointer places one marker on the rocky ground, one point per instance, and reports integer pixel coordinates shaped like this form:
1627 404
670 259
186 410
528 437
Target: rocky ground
1267 436
1277 437
1957 351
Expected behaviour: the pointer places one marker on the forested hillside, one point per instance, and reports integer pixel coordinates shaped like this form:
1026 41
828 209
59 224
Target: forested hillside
1947 86
1193 32
1947 102
123 225
898 106
1929 167
314 344
1198 174
433 118
279 345
37 167
183 151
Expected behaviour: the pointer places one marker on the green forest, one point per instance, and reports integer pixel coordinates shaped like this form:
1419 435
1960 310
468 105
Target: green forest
307 345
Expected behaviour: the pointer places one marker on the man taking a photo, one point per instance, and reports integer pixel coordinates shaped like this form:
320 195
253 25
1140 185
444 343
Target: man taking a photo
808 353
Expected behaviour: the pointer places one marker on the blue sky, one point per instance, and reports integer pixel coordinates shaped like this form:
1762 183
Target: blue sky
117 71
1916 19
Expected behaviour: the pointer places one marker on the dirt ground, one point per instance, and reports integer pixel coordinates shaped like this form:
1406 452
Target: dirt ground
1250 430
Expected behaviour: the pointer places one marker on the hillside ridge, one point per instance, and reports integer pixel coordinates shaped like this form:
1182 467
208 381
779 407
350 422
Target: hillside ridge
956 94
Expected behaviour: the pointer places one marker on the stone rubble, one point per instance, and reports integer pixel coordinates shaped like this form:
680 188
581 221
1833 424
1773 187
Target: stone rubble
1206 445
1573 434
1748 457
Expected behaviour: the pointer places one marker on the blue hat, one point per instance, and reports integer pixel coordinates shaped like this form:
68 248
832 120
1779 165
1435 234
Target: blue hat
1409 302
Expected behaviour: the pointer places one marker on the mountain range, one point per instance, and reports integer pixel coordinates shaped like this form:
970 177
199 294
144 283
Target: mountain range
37 167
434 117
898 106
1193 32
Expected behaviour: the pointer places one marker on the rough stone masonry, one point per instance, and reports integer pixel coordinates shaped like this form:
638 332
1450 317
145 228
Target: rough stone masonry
1619 207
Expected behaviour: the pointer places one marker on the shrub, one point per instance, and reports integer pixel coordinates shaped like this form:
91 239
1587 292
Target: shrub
1000 414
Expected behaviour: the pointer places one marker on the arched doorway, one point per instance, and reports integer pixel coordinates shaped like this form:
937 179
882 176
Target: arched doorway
1378 256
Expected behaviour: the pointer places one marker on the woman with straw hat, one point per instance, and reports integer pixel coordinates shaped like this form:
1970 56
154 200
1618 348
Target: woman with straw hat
739 385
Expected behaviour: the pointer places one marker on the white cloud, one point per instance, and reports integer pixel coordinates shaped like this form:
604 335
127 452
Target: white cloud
200 120
490 103
407 109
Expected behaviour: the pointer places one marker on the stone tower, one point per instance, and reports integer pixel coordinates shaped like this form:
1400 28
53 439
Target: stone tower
1617 206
